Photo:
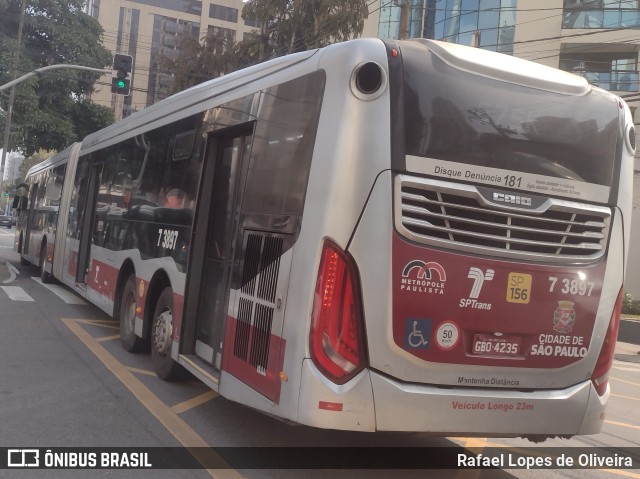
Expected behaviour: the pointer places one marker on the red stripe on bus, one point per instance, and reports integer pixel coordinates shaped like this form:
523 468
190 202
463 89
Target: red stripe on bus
237 359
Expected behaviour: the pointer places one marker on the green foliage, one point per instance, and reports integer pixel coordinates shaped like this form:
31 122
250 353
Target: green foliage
50 110
284 26
630 305
199 62
37 157
288 26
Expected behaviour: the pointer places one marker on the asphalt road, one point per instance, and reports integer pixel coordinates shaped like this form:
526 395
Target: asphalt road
65 381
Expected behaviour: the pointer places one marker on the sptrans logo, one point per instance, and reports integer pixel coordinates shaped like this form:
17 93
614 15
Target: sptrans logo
479 277
421 277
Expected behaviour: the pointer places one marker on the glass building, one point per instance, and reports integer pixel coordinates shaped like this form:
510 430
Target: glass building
488 24
601 14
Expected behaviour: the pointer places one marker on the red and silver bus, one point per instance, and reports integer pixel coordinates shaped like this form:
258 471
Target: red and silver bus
372 236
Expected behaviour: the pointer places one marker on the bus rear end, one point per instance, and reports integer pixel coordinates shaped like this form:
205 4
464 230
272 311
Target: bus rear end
481 289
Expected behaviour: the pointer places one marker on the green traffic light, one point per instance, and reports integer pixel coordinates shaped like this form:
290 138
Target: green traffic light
121 84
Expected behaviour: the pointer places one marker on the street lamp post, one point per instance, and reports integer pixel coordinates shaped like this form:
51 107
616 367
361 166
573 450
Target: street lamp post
7 125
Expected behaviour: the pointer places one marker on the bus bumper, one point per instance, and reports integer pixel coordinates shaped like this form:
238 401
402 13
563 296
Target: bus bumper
446 410
492 412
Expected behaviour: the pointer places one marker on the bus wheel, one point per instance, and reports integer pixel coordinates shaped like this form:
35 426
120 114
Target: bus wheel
162 337
45 276
127 314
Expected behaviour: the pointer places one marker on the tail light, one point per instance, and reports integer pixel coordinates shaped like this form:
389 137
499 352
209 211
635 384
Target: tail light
600 376
337 326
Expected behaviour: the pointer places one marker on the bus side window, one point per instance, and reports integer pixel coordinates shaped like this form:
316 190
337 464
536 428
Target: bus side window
148 192
20 200
128 169
283 146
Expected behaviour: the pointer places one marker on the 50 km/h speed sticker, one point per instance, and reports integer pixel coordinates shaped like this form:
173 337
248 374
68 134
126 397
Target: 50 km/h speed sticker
519 288
447 335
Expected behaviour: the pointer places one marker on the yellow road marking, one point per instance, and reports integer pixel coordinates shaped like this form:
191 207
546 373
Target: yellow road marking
623 424
103 323
194 402
621 472
476 443
141 371
624 397
626 382
187 436
108 338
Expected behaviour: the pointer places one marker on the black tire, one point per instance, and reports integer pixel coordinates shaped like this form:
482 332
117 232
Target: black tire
45 276
127 314
161 338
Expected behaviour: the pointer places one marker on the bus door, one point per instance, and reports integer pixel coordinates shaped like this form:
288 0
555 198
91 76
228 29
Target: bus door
212 260
30 218
91 182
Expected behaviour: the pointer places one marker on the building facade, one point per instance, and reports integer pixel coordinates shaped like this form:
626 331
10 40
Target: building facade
147 29
12 167
597 39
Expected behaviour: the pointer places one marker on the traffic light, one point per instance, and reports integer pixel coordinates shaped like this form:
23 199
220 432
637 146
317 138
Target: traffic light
120 81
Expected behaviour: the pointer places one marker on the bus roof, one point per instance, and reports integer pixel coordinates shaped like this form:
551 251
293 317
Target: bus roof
55 160
179 105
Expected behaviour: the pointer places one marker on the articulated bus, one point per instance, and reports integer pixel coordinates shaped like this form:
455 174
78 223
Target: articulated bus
372 236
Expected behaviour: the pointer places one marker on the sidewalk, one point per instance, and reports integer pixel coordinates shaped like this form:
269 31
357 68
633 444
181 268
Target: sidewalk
627 352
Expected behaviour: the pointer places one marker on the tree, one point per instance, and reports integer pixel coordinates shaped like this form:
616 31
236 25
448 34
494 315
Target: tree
198 62
283 26
37 157
51 110
288 26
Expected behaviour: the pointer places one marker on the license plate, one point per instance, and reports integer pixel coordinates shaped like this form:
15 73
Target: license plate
496 345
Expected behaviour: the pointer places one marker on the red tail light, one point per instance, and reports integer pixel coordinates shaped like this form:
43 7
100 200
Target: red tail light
600 376
337 330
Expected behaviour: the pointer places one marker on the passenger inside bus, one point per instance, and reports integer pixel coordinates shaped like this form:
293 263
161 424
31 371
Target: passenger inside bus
174 199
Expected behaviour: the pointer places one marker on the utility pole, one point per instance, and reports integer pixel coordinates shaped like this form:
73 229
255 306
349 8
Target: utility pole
405 18
12 94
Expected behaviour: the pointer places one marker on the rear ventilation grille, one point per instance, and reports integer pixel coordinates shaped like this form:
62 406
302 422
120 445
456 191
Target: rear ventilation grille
456 216
256 304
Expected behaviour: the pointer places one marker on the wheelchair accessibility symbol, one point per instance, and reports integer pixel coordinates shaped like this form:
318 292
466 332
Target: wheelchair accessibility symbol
417 334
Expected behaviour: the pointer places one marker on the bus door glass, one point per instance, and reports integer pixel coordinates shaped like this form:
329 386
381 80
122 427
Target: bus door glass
33 194
84 247
226 160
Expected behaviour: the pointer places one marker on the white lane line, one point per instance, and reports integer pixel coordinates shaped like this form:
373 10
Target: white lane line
62 293
13 272
16 293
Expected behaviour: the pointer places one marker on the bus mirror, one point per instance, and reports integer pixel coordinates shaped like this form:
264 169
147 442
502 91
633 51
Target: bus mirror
20 203
20 199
